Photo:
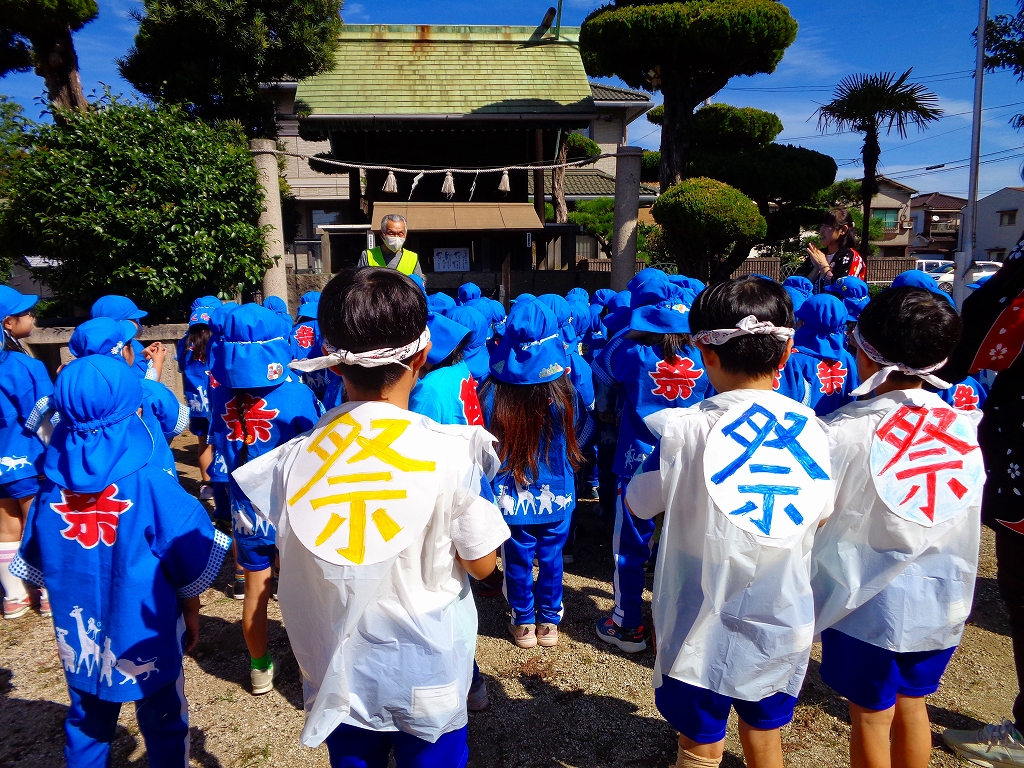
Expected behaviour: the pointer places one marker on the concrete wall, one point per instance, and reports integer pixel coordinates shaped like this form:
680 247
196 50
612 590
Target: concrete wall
51 346
990 234
609 135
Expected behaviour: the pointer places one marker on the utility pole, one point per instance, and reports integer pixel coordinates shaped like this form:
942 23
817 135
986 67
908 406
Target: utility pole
968 232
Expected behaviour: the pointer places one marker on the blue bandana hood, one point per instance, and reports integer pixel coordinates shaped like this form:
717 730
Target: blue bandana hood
276 305
853 292
581 320
468 292
253 348
475 352
602 296
578 294
823 332
531 351
100 437
440 302
309 305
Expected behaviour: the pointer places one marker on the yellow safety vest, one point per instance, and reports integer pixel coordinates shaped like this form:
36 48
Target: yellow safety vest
406 265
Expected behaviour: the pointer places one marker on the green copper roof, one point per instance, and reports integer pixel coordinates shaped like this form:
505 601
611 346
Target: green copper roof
391 71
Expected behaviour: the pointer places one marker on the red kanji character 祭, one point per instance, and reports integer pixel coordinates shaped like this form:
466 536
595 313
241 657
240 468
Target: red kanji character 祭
91 517
254 422
471 403
832 376
304 336
964 398
674 380
777 380
925 447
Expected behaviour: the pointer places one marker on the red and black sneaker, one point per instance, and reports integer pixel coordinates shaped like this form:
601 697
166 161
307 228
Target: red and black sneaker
491 586
627 639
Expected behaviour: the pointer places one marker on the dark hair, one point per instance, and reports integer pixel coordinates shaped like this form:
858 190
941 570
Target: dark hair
371 308
912 326
672 345
456 356
11 344
722 305
198 337
524 422
840 217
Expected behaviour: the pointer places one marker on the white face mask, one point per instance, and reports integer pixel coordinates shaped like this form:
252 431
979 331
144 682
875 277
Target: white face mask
394 244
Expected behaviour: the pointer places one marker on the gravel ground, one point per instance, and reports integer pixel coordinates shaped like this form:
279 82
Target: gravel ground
581 704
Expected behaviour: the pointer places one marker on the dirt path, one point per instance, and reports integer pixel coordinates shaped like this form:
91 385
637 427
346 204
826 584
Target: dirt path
581 704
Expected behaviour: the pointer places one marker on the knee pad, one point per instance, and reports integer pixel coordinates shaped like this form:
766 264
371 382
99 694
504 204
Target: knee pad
686 759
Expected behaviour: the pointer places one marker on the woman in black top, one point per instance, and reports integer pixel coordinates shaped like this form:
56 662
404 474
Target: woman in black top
839 259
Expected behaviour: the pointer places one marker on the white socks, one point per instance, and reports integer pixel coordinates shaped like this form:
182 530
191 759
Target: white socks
14 588
686 759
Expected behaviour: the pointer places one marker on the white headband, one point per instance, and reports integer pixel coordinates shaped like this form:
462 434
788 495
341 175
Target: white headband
748 326
889 367
372 359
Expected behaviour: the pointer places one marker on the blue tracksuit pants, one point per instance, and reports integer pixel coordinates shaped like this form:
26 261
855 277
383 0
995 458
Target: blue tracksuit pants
163 720
631 547
352 747
540 602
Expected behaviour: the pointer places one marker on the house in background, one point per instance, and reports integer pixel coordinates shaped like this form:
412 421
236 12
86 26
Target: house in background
936 231
1000 221
891 206
616 108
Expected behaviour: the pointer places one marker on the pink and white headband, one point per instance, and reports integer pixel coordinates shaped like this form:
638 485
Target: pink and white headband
374 358
889 367
748 326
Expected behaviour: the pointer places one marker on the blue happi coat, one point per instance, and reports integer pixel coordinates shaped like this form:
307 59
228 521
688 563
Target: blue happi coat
968 395
196 376
448 396
25 400
819 382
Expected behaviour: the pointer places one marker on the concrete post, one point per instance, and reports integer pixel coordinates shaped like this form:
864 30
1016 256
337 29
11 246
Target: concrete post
627 208
275 281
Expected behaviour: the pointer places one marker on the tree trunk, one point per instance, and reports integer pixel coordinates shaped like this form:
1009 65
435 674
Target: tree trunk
674 133
723 269
57 63
869 185
558 187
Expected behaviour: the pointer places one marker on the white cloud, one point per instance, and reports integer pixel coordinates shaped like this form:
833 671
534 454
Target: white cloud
353 12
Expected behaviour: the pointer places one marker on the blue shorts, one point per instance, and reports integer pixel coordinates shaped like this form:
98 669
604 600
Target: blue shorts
199 426
352 747
19 489
254 553
870 676
701 715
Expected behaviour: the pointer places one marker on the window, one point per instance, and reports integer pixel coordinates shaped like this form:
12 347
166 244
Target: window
321 217
996 254
888 216
1008 218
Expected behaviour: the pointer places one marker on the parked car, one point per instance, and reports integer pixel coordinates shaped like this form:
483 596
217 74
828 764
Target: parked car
929 265
979 269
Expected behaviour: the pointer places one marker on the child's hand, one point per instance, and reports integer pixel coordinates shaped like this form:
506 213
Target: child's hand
155 352
190 612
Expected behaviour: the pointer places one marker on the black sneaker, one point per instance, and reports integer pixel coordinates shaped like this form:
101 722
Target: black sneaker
238 591
630 640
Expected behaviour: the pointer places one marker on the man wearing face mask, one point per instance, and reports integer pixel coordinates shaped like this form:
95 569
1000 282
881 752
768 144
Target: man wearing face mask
390 253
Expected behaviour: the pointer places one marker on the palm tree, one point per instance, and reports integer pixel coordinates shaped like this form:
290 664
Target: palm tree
866 104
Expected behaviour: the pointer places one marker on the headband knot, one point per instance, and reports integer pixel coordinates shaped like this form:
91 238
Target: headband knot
748 326
374 358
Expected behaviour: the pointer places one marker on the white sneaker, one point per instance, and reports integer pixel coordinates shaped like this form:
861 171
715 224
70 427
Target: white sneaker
993 746
263 679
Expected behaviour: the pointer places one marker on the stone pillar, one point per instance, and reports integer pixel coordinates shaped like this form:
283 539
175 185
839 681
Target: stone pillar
275 281
627 208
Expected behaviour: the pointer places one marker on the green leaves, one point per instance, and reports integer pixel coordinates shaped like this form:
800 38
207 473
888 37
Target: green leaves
597 218
709 212
867 103
137 200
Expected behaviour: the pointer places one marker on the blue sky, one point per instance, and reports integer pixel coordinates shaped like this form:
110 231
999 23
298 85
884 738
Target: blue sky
932 36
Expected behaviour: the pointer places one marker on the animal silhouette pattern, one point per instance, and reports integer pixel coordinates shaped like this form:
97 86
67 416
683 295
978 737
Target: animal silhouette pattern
97 657
10 463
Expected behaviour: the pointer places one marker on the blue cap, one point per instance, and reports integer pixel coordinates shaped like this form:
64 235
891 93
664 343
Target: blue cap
670 316
581 320
14 303
618 312
531 351
100 438
117 308
445 336
641 277
578 293
801 284
563 315
309 305
439 302
796 296
276 305
525 298
468 292
980 282
419 281
486 308
206 301
853 292
689 283
602 296
653 291
101 336
915 278
475 351
823 332
253 350
763 277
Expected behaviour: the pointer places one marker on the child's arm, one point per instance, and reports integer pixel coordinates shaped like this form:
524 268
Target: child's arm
190 613
480 568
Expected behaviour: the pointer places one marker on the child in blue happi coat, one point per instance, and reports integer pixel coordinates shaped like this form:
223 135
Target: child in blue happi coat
440 302
467 292
126 554
799 288
163 415
475 350
820 373
278 306
258 405
193 359
658 368
579 371
306 342
446 391
540 422
149 361
26 419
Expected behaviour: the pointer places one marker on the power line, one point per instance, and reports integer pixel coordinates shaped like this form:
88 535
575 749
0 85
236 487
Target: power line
939 77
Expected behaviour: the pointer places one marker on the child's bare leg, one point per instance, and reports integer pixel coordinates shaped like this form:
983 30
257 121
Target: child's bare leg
695 755
12 518
254 612
911 733
761 748
205 459
869 736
